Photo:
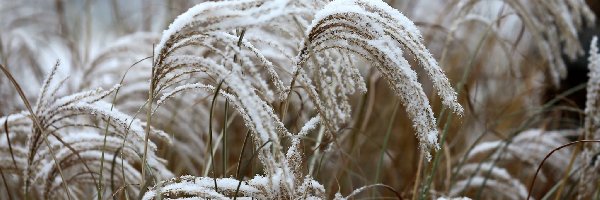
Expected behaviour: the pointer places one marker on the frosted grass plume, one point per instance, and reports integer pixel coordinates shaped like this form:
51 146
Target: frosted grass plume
374 31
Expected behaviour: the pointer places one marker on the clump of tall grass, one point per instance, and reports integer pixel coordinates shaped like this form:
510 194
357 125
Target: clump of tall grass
63 146
284 99
368 29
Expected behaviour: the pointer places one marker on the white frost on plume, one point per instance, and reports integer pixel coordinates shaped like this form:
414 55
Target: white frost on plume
386 30
380 30
232 15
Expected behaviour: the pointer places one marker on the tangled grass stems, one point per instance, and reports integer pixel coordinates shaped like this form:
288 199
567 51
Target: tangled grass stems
548 156
507 142
561 184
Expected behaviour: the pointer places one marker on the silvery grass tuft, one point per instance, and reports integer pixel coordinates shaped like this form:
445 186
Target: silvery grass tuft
113 63
375 32
339 31
60 147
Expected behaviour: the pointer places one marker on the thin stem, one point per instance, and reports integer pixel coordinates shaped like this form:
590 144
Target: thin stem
237 173
566 176
12 154
210 133
105 138
386 140
224 133
5 184
149 119
418 177
112 171
359 190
